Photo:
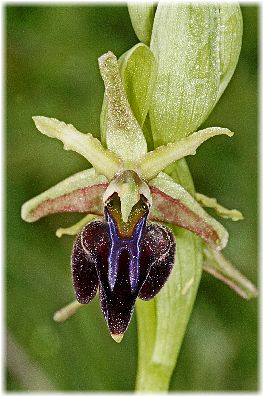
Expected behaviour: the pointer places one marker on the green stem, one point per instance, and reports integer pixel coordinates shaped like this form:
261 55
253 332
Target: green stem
150 376
162 321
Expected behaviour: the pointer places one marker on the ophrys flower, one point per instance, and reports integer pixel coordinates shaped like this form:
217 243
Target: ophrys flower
122 250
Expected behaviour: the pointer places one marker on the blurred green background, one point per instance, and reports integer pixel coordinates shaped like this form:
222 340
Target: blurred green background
51 70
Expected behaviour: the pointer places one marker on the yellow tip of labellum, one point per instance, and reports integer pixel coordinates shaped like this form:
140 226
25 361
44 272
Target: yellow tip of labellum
117 337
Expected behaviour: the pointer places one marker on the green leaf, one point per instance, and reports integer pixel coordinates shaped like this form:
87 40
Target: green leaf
194 64
142 17
123 133
138 72
184 43
175 301
231 30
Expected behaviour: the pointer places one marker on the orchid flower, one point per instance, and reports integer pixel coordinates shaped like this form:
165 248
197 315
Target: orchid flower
123 248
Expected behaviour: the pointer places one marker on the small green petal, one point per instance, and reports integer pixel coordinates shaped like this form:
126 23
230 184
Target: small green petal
162 156
53 199
123 133
209 202
104 161
77 227
142 17
219 267
173 204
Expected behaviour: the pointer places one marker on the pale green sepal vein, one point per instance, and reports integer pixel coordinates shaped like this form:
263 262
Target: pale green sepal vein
162 156
123 133
142 17
218 266
104 161
209 202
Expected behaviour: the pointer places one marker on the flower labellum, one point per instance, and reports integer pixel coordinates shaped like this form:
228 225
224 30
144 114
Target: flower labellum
125 260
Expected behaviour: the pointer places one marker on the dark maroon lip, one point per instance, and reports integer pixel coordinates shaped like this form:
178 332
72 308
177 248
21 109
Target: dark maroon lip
119 281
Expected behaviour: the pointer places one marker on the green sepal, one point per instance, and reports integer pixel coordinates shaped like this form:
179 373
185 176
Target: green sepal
103 160
172 203
53 200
